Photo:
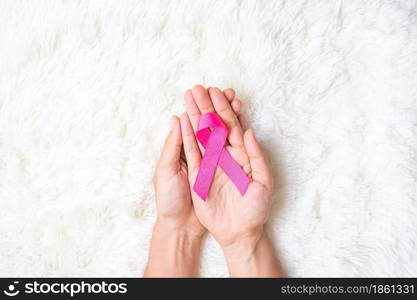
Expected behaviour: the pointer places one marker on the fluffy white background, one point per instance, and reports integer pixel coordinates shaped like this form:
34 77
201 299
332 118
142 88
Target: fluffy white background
87 87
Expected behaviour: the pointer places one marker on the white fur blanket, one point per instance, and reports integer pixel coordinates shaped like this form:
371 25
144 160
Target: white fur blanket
87 87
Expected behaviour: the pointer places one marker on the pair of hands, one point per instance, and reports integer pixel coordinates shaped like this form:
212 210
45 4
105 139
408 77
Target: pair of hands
235 221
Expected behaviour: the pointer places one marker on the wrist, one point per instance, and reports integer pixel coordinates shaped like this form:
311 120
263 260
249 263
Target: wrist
252 256
174 252
244 246
172 230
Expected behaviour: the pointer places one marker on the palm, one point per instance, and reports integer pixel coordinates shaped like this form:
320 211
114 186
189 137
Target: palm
226 213
174 200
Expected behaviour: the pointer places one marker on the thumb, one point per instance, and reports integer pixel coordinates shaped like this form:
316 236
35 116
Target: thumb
171 151
259 166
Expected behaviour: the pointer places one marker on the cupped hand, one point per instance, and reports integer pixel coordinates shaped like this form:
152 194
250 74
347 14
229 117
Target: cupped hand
229 216
173 194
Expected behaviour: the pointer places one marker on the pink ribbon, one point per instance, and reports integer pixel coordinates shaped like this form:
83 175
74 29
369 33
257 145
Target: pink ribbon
212 134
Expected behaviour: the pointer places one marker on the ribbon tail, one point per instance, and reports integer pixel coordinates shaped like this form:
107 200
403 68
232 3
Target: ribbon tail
234 171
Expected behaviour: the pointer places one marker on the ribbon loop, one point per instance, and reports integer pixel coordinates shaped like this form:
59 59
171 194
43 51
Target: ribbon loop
212 135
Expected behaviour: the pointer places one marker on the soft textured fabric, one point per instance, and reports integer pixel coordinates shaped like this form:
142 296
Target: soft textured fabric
87 88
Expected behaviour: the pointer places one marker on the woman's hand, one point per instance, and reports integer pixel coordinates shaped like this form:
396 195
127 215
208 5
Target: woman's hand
227 214
173 197
235 221
177 234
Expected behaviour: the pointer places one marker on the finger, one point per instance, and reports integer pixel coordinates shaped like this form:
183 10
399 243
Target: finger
202 99
229 94
236 106
225 111
243 121
171 151
260 171
192 109
192 152
193 112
